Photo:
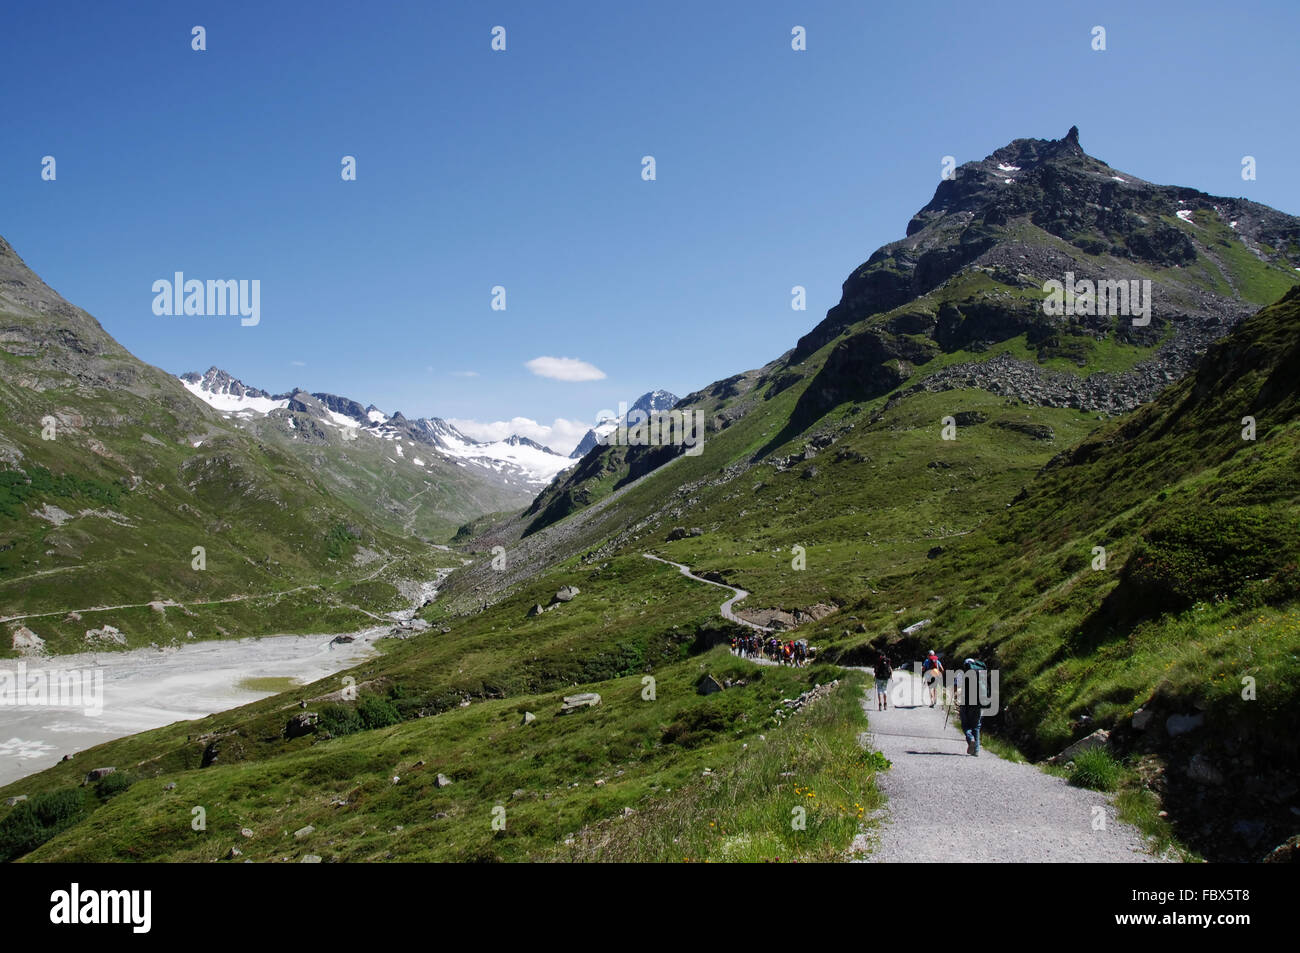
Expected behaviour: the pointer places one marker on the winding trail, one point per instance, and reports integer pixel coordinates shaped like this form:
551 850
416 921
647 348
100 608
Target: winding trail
725 608
944 805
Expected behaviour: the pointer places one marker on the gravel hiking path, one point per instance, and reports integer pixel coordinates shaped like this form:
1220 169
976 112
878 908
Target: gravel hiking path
945 805
726 606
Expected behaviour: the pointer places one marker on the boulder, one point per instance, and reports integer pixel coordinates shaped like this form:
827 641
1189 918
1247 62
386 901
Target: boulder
1142 719
708 685
233 853
1098 739
441 781
245 832
529 718
310 859
1177 725
536 610
582 700
11 801
98 773
676 533
302 832
566 594
303 723
342 639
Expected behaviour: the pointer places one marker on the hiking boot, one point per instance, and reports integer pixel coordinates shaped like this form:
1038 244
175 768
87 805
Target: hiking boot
970 747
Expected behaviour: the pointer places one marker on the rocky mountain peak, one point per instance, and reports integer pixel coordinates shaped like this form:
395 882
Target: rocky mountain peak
1037 209
216 381
515 440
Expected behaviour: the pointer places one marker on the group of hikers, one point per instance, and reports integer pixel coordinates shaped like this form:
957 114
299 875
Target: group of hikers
969 688
969 695
792 652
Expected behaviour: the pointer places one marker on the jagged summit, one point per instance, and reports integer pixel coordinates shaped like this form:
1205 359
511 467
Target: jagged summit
1036 209
216 381
975 185
515 440
650 402
319 418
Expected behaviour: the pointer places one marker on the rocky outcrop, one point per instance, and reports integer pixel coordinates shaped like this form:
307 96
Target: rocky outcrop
574 703
303 723
566 594
1098 739
781 619
27 643
106 635
708 685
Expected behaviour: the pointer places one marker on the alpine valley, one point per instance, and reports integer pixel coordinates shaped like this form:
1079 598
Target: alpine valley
1105 511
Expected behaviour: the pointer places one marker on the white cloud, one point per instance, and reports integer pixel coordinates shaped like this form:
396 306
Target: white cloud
561 436
564 369
464 373
298 363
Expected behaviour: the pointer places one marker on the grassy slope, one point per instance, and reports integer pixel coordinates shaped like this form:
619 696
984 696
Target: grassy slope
141 497
633 616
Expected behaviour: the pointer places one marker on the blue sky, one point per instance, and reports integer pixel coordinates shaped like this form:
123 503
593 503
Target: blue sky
522 169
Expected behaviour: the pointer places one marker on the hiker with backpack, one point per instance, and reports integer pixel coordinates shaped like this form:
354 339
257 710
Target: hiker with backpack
932 675
972 696
884 672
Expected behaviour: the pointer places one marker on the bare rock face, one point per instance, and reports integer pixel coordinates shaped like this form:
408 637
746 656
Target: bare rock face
1034 211
27 643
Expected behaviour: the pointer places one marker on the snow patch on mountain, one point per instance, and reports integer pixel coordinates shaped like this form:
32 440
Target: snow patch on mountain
231 396
514 459
655 401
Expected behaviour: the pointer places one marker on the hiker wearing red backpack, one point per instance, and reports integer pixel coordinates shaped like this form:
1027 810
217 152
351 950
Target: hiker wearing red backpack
932 675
